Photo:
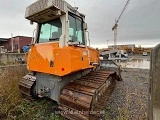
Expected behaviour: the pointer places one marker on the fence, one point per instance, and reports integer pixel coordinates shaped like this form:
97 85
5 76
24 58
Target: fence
6 58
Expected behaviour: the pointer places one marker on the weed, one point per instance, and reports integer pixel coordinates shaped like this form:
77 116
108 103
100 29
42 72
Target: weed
14 107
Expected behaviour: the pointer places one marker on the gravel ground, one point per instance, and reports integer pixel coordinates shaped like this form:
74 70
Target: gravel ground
129 100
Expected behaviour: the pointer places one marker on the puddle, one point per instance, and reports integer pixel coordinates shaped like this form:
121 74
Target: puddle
135 63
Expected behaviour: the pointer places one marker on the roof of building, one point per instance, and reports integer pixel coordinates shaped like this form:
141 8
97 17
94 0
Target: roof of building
21 36
4 39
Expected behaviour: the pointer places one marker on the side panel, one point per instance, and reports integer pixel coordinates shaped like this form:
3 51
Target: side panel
49 58
94 55
40 57
70 59
79 59
154 88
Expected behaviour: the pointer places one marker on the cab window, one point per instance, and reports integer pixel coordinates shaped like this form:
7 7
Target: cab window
50 31
76 32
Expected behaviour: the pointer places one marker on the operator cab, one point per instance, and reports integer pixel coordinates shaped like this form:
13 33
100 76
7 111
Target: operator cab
57 22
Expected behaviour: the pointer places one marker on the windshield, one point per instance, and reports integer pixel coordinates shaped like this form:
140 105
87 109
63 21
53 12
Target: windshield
50 31
76 29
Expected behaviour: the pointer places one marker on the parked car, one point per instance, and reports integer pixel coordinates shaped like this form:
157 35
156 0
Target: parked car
144 54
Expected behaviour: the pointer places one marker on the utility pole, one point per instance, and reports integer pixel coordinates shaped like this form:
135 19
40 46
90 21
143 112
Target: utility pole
12 42
107 43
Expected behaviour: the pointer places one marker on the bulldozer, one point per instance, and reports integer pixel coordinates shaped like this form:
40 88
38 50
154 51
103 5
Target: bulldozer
62 66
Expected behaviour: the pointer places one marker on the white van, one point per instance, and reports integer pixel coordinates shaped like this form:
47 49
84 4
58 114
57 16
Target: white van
144 53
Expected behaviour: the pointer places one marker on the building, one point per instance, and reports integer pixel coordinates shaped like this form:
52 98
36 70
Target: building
18 43
3 45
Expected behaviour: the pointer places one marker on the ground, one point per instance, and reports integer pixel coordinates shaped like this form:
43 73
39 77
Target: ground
129 100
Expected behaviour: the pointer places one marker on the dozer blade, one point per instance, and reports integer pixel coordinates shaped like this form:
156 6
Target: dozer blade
27 85
86 97
111 65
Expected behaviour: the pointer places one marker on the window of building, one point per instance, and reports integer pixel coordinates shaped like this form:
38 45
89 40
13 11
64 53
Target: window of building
16 46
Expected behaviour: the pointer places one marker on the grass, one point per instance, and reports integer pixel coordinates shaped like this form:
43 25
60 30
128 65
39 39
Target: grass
2 64
8 63
14 107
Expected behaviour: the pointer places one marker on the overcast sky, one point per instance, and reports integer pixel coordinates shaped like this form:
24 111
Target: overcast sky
140 23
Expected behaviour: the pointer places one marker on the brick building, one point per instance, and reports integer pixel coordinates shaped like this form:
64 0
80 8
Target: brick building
18 43
3 45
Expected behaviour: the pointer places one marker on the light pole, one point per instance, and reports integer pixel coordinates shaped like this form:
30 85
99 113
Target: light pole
107 43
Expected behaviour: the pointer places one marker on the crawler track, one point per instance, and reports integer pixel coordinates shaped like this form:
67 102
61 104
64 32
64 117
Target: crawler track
86 98
82 99
26 86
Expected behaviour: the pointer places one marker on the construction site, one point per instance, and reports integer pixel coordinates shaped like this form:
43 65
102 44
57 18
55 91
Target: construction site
130 49
60 76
